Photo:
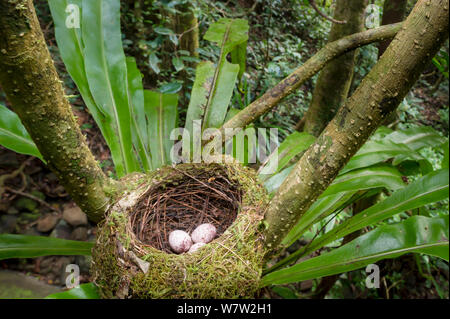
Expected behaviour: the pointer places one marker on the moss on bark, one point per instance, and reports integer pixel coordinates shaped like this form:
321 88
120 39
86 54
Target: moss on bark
31 84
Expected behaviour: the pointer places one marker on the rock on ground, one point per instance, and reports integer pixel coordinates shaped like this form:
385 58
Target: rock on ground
47 223
74 216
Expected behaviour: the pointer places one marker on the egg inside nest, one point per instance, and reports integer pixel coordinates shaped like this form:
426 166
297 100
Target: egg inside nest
184 204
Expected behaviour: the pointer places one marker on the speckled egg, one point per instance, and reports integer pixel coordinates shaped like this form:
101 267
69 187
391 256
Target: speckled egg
204 233
180 241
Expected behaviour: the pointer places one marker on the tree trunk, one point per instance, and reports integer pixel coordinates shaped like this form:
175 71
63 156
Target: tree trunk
378 95
393 12
334 80
186 25
331 91
31 84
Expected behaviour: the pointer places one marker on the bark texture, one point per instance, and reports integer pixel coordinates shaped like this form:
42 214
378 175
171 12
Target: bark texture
379 94
393 11
31 84
333 84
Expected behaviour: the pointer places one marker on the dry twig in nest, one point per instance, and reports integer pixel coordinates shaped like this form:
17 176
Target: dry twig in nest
184 204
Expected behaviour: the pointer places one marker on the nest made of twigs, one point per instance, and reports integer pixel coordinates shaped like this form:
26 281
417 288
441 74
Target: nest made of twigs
131 258
208 197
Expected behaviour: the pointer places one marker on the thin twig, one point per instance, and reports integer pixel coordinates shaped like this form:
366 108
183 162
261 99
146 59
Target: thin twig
215 190
40 201
314 6
14 174
180 35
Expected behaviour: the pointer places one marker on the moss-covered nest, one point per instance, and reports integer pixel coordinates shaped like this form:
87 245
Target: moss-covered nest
132 259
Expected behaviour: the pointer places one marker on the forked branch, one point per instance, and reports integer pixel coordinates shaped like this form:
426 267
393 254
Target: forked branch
287 86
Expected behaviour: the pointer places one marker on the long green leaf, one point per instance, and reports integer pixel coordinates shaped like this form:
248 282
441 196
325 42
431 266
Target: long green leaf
292 145
374 152
161 112
84 291
366 178
342 189
70 45
445 160
214 85
321 208
274 182
13 134
426 190
106 71
417 138
239 57
23 246
417 234
400 145
204 76
136 93
243 145
227 33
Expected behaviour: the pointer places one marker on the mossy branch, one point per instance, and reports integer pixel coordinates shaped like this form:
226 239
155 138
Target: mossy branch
31 84
379 94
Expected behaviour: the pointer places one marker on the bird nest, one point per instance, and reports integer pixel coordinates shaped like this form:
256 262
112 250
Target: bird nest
209 197
132 257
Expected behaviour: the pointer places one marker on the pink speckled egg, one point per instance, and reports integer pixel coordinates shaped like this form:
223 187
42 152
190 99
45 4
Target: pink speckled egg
204 233
180 241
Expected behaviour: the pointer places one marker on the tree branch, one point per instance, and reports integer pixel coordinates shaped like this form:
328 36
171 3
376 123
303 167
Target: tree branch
378 95
330 51
31 84
314 6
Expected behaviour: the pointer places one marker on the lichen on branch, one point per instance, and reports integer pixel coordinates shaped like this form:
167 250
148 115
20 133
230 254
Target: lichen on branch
31 84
